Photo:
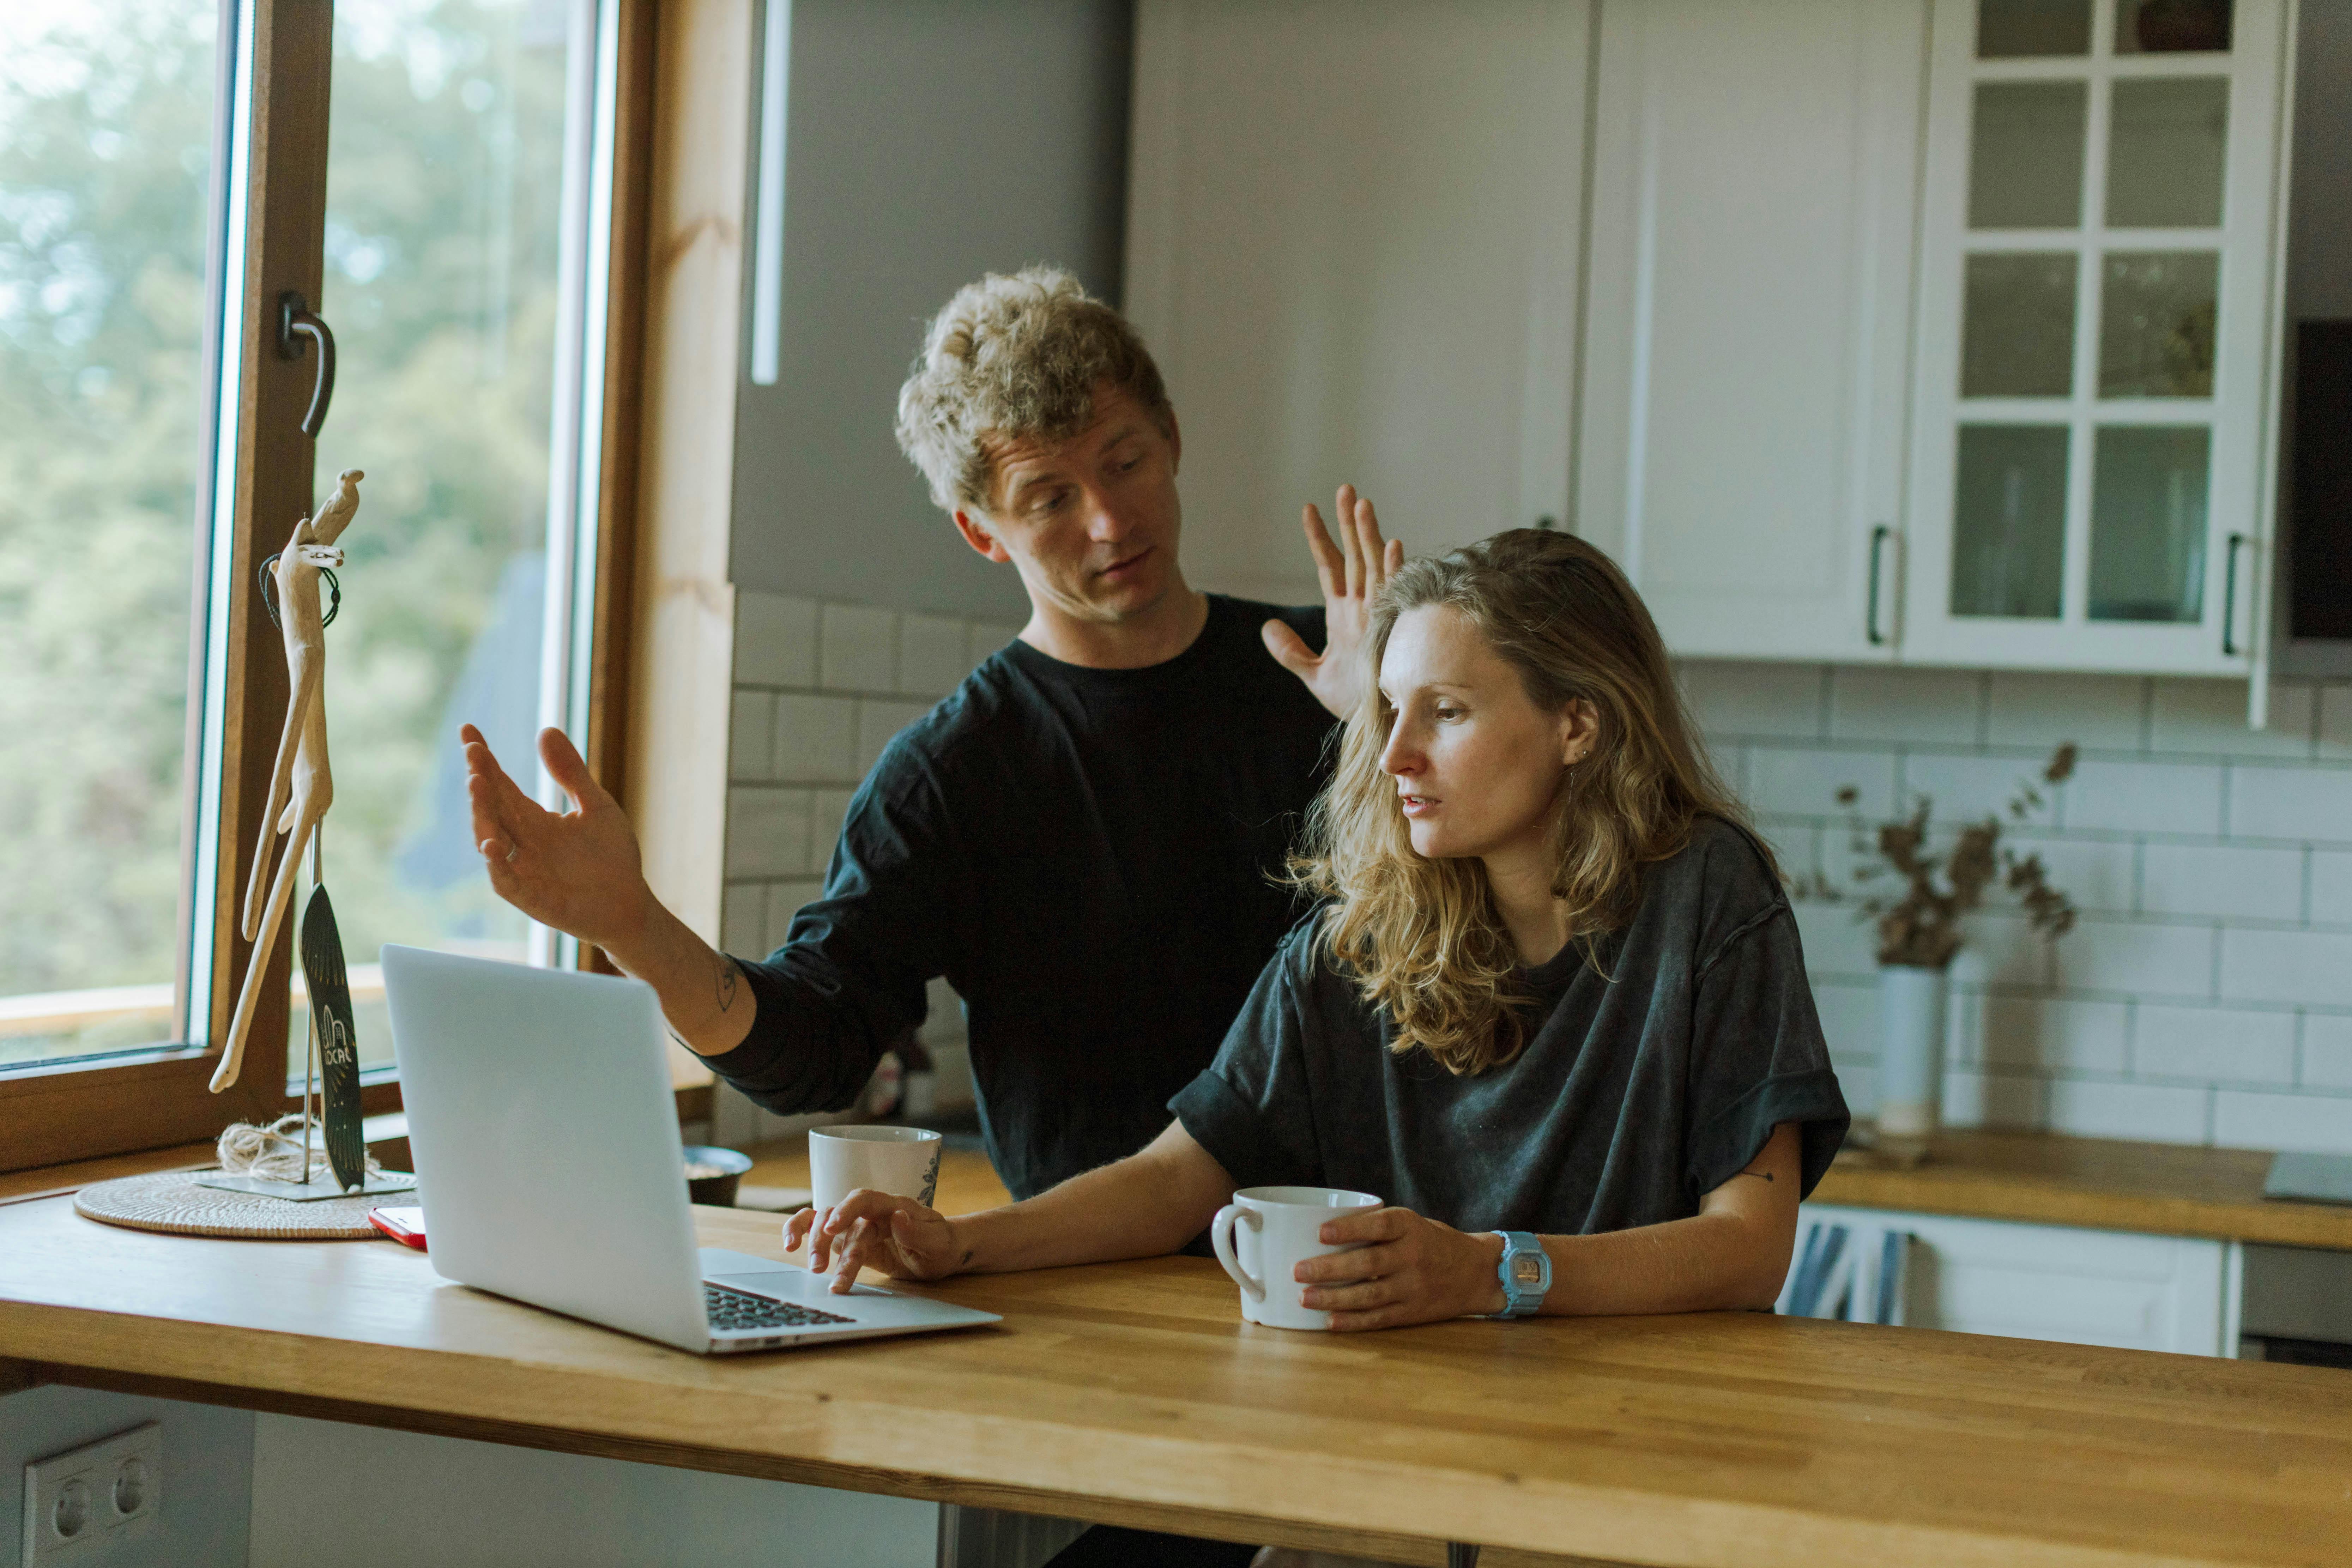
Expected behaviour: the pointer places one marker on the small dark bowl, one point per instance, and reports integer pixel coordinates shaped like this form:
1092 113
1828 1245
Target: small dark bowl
717 1191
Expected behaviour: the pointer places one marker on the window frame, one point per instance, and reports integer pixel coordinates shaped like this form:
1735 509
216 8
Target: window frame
281 53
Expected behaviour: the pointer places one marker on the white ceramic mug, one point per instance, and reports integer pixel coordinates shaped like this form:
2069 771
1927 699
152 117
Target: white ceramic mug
1263 1235
903 1160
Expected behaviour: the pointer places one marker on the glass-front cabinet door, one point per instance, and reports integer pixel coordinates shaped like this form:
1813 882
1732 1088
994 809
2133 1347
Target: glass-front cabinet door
2098 339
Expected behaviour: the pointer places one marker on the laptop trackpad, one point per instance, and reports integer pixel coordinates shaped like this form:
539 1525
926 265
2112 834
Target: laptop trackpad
780 1282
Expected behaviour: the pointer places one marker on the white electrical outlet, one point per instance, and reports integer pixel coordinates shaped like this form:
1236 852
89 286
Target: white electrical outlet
80 1505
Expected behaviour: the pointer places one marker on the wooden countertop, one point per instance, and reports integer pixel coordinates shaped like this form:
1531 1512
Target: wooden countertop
1133 1393
2164 1189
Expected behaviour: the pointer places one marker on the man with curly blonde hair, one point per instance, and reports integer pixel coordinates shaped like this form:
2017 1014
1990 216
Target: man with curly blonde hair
1083 839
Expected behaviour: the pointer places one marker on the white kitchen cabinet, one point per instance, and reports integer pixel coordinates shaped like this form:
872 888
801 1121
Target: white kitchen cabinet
2076 1286
2094 429
1747 326
1353 236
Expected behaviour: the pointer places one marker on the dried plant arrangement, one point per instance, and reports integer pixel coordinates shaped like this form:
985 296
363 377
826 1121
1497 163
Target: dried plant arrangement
1919 915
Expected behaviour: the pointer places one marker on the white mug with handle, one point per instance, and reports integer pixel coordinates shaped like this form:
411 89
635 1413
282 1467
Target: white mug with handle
903 1160
1263 1235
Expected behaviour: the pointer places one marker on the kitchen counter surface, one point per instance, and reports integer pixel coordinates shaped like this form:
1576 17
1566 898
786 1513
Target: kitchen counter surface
2163 1189
1133 1393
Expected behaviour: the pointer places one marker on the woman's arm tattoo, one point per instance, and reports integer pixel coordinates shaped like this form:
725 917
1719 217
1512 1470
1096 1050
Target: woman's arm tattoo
728 975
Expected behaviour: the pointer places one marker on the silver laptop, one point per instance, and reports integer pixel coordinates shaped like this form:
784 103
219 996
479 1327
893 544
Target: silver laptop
548 1161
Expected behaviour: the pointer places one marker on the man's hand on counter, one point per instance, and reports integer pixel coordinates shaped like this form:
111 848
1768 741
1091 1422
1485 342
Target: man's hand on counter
581 872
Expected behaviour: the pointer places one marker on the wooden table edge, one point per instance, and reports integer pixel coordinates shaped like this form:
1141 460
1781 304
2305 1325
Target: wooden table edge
1799 1536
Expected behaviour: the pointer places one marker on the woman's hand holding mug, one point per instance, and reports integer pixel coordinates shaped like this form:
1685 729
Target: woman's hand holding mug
882 1231
1402 1268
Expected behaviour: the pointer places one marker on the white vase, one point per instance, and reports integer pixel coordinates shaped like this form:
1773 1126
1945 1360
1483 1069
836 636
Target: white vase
1910 1049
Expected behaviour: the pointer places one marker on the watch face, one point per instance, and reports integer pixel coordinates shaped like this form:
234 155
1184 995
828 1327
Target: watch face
1525 1270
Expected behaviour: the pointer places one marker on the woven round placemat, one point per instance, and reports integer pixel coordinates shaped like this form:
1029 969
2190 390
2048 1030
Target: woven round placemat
172 1202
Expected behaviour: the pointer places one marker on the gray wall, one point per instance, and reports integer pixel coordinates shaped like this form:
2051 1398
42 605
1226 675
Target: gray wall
207 1469
928 141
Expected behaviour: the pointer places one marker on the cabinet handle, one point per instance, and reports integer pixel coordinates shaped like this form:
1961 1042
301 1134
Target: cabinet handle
1878 538
2230 647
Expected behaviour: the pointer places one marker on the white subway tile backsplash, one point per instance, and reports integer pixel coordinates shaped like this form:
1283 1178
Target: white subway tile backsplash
1918 705
784 901
2331 887
1805 782
858 649
985 638
2155 1113
2226 879
933 652
2144 797
775 639
2098 874
2137 958
1973 1098
1759 699
742 918
2216 1044
2094 711
767 832
2148 1056
2054 1034
2310 803
2209 717
2313 1124
1969 787
2287 967
2327 1051
1849 1013
830 808
750 734
1796 844
1835 941
2002 949
1858 1082
816 738
876 722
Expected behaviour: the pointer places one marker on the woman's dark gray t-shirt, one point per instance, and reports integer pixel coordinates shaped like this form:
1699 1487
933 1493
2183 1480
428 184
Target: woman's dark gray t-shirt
1636 1095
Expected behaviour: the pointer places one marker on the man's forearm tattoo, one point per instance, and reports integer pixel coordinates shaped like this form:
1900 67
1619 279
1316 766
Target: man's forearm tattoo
727 976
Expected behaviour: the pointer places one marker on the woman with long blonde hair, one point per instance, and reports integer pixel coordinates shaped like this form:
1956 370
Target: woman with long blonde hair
1551 1001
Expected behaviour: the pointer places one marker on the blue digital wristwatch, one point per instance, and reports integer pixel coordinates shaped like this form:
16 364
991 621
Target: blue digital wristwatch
1526 1273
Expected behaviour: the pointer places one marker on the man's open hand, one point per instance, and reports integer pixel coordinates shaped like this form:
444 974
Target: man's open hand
1352 572
577 870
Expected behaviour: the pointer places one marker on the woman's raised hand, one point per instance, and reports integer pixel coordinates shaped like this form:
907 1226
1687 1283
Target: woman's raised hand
577 870
1351 571
1407 1270
877 1230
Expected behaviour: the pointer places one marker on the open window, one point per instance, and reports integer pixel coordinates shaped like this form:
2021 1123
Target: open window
436 180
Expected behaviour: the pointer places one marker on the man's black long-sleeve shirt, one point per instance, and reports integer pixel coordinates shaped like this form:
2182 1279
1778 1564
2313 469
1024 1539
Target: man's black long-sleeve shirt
1088 856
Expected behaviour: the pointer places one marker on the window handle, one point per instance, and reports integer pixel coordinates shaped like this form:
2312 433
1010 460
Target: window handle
295 323
1878 538
2230 647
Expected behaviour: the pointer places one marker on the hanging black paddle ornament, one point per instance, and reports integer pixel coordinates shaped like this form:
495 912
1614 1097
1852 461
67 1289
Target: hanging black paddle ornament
330 1016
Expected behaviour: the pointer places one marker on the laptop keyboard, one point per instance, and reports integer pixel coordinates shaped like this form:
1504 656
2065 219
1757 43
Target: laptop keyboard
736 1310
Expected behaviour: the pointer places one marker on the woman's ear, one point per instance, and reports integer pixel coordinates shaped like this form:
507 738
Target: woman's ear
1580 731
